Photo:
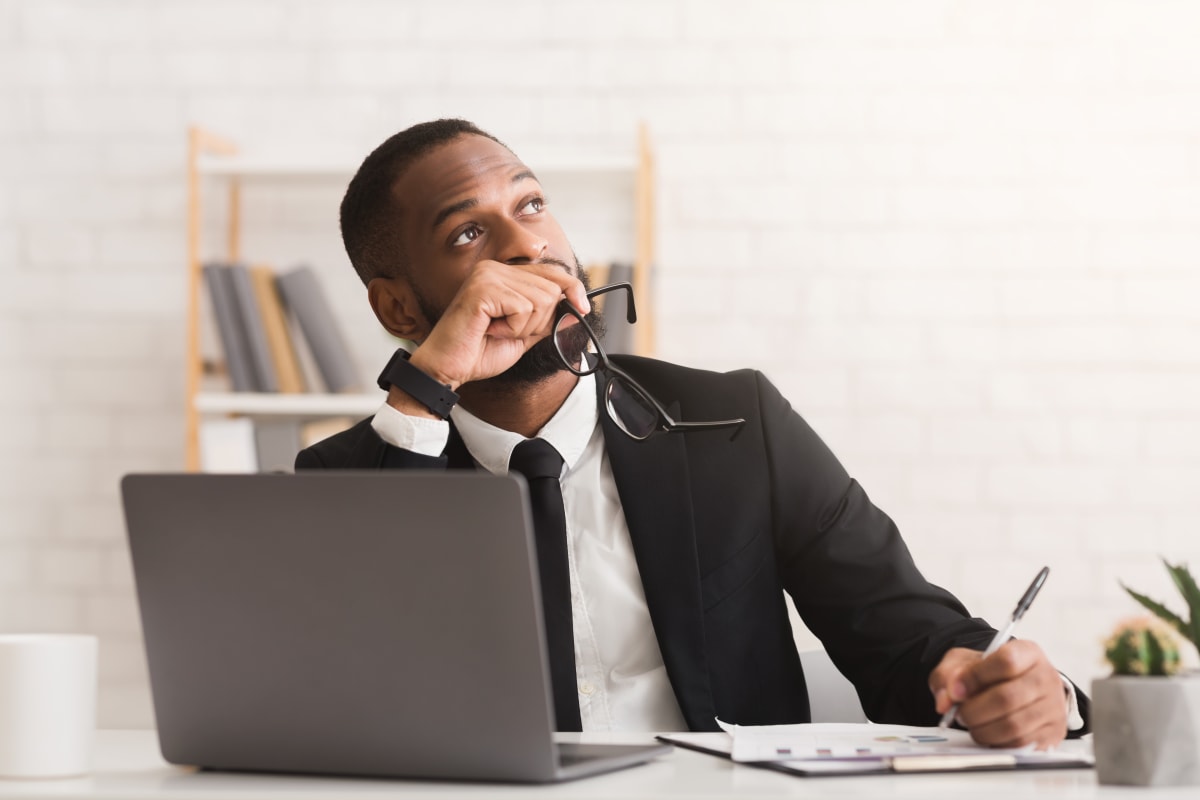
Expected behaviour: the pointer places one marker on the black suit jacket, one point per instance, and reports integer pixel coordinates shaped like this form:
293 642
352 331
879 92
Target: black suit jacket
721 529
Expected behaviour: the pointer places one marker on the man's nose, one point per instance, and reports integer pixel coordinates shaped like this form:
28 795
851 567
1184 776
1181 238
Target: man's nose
520 245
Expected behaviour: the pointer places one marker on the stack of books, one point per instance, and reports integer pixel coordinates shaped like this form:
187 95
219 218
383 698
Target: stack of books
267 321
277 335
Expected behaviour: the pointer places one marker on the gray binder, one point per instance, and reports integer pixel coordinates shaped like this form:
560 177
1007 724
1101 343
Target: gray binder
230 328
302 295
259 351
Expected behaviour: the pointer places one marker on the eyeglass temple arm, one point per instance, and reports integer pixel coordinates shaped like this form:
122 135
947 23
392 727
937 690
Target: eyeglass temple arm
737 424
630 308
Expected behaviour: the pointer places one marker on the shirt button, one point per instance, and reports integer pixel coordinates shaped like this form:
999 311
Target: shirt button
586 688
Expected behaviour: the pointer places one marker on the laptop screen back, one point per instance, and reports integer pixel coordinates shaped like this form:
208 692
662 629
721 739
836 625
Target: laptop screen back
365 623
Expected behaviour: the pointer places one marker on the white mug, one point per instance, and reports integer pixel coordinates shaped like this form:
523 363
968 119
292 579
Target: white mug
47 704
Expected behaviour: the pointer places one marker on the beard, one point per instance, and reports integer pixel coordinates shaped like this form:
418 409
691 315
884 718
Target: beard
542 361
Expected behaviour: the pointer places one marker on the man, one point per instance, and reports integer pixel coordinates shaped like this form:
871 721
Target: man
681 546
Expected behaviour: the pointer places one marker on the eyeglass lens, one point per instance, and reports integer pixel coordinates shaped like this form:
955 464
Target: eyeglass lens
630 409
567 328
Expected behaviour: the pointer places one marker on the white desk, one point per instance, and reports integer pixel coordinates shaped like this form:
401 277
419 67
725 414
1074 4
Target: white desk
128 767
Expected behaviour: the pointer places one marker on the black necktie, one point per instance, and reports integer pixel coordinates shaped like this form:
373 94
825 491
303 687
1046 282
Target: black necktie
540 463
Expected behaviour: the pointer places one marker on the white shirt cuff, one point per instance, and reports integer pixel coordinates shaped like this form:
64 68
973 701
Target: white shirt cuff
426 437
1074 718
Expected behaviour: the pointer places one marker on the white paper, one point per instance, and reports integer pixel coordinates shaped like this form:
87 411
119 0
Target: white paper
841 741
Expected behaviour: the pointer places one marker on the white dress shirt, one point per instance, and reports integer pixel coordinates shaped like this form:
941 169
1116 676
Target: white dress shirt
621 680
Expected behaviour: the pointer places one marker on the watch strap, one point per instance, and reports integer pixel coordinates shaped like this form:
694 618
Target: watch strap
399 372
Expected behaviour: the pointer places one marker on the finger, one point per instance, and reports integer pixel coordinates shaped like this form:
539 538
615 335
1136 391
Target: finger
1011 661
1036 725
528 328
568 284
535 318
577 297
538 322
947 673
996 703
518 304
507 308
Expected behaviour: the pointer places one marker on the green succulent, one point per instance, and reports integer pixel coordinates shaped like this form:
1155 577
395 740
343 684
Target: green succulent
1189 628
1143 646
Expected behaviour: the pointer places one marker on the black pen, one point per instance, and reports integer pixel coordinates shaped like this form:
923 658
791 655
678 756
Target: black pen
1003 636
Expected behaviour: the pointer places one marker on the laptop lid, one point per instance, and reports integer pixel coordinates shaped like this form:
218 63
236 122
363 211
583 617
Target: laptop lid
383 623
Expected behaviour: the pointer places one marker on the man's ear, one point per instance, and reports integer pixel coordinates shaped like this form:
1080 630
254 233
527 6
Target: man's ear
395 306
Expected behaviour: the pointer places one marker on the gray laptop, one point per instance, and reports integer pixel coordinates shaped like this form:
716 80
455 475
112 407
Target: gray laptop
384 624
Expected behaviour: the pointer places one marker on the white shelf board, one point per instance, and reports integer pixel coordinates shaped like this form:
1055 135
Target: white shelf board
259 404
546 163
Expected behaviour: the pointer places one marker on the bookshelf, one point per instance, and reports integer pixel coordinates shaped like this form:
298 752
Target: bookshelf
216 164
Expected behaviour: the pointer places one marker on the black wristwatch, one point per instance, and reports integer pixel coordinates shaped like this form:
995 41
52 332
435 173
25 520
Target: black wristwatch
437 397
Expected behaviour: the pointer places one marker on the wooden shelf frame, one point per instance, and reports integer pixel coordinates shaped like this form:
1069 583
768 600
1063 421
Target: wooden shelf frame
213 156
200 143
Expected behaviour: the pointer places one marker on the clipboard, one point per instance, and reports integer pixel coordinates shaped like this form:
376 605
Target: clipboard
720 745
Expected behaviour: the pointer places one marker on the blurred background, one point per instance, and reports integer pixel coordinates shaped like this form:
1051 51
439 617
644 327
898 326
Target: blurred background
962 237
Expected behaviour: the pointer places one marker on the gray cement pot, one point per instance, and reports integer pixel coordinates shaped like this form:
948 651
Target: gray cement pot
1147 730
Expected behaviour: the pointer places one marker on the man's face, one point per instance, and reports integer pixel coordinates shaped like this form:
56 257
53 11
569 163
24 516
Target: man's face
473 200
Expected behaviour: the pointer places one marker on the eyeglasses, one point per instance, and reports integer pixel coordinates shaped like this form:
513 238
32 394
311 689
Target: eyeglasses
628 404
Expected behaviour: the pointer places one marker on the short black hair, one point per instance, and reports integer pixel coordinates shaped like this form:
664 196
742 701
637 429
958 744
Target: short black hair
369 229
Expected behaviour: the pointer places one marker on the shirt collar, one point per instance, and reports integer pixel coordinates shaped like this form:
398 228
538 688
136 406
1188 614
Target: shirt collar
568 431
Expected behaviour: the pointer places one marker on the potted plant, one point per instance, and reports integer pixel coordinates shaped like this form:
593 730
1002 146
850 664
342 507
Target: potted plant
1146 717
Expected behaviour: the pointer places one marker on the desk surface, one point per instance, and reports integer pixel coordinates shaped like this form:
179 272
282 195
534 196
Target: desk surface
128 766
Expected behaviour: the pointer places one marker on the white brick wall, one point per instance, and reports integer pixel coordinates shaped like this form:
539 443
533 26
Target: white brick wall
961 236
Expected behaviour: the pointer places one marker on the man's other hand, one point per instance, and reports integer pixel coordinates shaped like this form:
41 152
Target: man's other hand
1012 698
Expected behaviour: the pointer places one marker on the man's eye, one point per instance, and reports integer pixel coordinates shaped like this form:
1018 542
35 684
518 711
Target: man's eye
467 236
533 206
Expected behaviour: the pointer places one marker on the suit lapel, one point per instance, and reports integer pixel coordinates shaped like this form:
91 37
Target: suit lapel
652 481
